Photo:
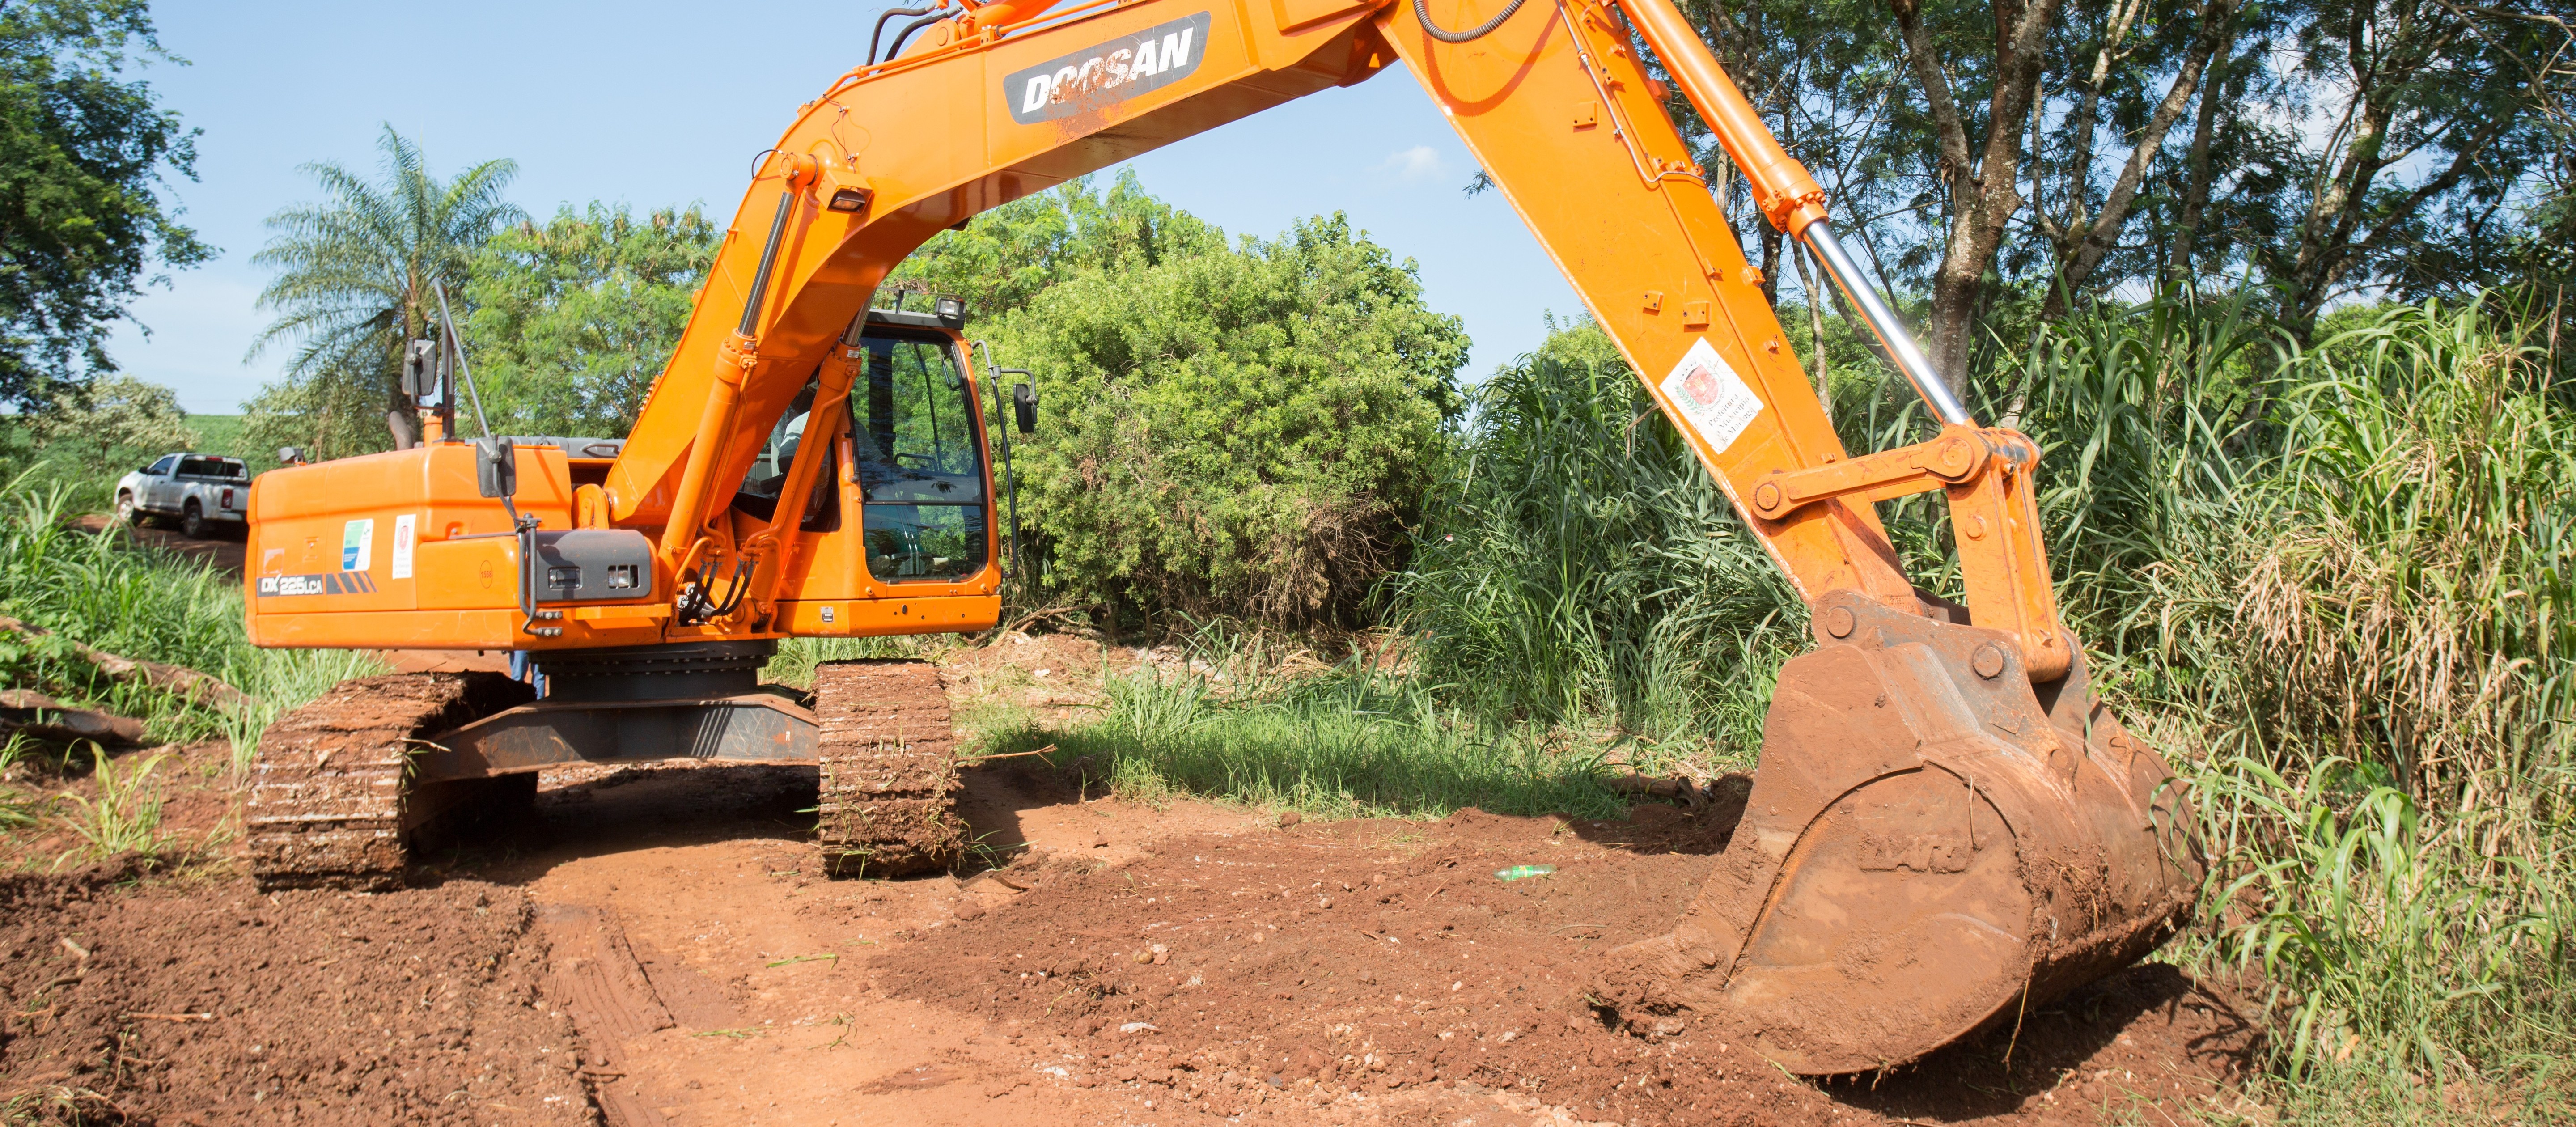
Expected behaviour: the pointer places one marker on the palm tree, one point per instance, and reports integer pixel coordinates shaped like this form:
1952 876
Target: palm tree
354 274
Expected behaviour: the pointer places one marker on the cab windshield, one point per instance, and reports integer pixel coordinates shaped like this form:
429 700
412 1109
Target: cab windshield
919 459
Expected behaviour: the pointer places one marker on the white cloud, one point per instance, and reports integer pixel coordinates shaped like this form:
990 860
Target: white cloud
1421 162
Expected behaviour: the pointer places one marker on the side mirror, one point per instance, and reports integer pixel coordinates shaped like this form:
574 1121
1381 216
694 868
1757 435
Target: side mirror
419 369
1024 407
496 467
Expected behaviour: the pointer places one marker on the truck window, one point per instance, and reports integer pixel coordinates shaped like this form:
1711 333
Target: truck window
920 460
163 467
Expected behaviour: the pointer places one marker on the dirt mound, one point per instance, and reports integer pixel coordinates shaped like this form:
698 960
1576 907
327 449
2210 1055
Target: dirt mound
194 1002
190 784
1385 970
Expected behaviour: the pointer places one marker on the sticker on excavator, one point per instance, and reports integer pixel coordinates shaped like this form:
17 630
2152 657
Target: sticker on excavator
318 583
1713 400
1112 72
357 544
404 536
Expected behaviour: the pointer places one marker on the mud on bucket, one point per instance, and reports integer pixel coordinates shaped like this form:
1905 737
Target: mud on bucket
1924 843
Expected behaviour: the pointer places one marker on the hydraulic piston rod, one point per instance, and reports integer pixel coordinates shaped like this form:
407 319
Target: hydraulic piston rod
1838 264
1788 196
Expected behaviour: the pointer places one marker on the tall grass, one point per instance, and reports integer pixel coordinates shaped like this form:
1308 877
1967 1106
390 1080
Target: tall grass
98 588
2359 630
1584 566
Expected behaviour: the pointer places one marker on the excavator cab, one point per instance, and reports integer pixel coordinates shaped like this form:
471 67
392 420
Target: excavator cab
918 463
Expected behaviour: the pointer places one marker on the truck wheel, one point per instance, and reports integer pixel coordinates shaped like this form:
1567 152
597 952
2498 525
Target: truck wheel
192 521
127 512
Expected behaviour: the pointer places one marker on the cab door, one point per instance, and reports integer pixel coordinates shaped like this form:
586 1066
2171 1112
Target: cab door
919 444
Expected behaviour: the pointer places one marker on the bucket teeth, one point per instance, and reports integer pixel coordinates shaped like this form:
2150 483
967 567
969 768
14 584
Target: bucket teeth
1930 844
889 777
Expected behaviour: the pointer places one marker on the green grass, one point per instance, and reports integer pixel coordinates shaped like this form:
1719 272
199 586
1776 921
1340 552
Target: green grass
124 816
96 588
1355 741
797 657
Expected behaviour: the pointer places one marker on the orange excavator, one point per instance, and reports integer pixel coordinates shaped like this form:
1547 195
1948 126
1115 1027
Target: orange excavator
1946 825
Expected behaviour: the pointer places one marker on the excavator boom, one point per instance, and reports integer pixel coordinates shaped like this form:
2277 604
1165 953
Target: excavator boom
1945 823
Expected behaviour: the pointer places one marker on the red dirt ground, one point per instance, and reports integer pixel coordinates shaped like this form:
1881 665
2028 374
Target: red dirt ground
187 1002
1372 971
657 947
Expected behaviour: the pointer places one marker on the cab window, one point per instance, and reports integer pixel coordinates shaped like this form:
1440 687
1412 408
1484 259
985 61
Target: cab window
761 484
920 461
162 468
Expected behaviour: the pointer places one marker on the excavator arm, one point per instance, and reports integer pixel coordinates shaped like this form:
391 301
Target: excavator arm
1945 825
1012 98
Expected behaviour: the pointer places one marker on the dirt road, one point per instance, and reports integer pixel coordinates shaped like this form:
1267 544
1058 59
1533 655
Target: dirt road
221 546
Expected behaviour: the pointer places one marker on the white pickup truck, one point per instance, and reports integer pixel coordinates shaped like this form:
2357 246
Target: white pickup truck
198 490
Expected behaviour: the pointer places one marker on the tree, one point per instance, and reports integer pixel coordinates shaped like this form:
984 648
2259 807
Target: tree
1005 256
1981 148
575 319
2129 42
2445 116
1236 431
354 285
83 154
112 414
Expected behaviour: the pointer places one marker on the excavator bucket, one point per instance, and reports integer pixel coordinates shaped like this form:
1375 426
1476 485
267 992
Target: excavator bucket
1932 846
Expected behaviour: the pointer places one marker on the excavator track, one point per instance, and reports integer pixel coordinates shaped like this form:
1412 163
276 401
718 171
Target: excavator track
889 772
332 803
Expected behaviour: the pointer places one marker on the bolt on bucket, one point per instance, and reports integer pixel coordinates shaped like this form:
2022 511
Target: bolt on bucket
1932 845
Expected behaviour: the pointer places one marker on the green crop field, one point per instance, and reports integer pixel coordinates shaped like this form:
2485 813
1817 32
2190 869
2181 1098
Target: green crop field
222 434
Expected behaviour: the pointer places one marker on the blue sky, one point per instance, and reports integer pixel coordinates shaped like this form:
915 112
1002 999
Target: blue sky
663 103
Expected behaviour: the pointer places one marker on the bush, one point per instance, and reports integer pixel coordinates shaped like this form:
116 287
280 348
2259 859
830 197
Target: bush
1240 432
114 420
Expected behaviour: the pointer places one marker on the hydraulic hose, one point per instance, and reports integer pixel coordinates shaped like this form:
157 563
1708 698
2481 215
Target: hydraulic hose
889 15
906 33
1423 15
